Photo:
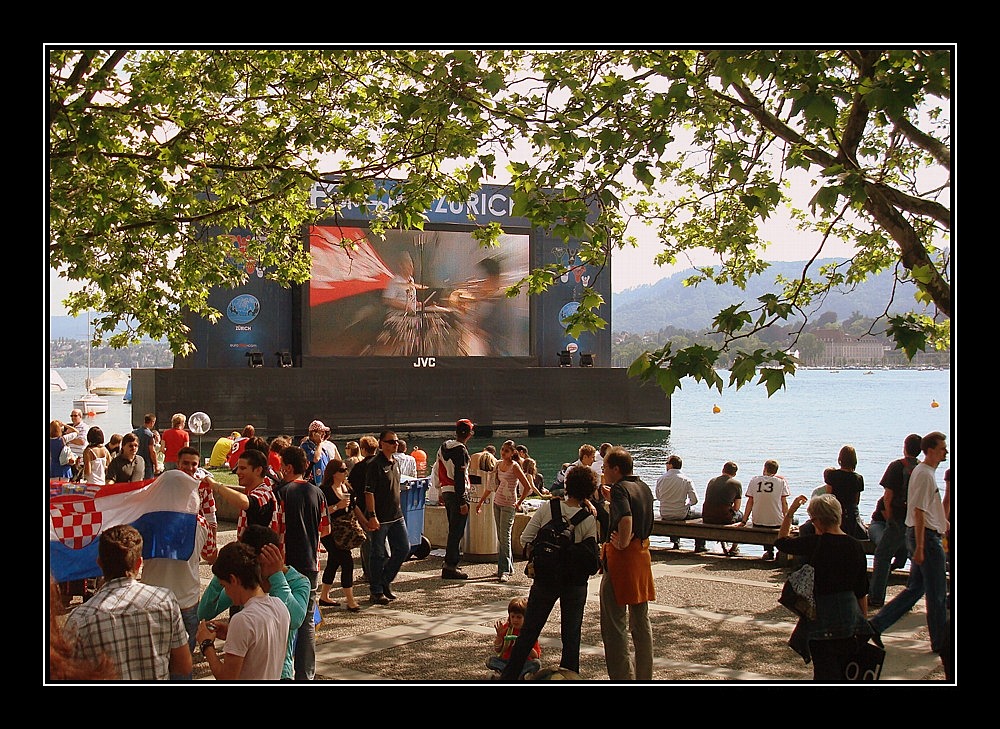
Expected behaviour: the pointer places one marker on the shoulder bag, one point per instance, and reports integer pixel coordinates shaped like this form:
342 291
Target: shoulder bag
798 593
346 532
865 665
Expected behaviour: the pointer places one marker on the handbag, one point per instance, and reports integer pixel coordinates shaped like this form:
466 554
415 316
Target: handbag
346 532
798 593
866 665
66 457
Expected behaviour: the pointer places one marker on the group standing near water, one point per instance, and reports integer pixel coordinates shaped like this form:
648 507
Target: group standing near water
922 525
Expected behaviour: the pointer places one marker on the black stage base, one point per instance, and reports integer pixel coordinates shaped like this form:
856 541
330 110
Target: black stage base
365 394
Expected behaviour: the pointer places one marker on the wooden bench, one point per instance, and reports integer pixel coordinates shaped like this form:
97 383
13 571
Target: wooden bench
697 529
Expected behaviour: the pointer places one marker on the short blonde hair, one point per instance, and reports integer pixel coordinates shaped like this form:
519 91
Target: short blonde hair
178 419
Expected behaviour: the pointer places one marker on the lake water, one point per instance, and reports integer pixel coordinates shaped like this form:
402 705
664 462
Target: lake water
802 427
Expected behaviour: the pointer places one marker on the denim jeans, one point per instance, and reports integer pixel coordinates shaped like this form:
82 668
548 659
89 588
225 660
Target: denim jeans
456 528
190 618
889 538
305 637
504 517
927 580
366 554
498 664
541 599
383 567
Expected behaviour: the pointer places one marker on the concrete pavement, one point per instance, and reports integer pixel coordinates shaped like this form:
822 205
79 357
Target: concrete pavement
715 619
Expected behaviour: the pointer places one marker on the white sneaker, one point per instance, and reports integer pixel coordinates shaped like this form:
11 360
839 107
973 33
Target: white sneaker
505 577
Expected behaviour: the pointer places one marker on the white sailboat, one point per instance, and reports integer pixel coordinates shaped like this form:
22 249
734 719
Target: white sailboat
90 403
56 382
112 382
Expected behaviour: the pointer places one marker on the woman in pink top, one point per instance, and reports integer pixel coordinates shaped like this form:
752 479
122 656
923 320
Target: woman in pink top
506 502
174 438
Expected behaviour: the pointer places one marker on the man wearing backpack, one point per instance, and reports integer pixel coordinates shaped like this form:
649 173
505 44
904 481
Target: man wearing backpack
627 583
452 468
895 481
567 580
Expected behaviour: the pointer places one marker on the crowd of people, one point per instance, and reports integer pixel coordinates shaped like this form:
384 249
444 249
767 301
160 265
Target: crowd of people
269 583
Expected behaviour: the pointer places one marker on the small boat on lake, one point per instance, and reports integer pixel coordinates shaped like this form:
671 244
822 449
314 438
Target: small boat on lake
56 382
112 382
91 404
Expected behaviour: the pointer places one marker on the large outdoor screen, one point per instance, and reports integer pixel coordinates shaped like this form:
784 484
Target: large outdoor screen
414 293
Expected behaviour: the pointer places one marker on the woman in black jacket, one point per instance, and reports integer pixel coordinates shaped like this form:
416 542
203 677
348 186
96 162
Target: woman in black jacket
841 589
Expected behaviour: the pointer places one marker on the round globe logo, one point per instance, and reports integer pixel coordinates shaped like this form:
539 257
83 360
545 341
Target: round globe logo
567 309
243 309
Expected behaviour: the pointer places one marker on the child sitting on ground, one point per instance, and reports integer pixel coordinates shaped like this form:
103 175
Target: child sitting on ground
507 631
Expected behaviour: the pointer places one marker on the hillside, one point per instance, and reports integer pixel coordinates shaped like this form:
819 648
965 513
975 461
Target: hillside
668 302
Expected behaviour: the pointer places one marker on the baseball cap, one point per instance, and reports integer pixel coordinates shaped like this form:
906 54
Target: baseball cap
464 426
318 425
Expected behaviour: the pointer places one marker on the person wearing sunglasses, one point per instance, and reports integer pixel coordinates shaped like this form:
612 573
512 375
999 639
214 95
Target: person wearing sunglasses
385 520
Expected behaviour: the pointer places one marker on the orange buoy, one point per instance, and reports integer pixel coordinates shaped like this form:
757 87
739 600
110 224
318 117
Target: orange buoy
934 404
716 409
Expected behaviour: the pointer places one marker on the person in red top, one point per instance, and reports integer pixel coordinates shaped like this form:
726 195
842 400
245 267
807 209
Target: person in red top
275 447
507 632
174 438
238 445
420 456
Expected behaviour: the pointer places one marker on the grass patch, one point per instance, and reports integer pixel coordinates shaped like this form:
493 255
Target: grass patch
224 475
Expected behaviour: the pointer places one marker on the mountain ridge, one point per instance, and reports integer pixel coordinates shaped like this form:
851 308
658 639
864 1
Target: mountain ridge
651 307
668 303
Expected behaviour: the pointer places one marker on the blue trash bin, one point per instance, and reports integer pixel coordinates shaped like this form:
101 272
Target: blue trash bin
412 497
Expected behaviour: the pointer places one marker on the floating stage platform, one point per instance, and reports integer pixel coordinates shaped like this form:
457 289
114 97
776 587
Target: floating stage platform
365 394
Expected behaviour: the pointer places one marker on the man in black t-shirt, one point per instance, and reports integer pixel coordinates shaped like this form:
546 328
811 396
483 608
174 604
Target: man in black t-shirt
890 549
386 526
723 497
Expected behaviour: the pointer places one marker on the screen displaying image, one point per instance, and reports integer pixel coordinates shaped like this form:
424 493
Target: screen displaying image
414 293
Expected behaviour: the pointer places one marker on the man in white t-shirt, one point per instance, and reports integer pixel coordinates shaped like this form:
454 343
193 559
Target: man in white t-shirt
257 636
77 445
926 524
767 501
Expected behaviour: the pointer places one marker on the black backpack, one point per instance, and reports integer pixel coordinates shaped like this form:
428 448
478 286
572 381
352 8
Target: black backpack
554 554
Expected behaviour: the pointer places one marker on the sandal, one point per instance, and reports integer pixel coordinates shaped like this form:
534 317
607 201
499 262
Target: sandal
355 609
329 603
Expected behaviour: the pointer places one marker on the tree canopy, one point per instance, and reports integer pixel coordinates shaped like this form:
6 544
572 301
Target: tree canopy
151 150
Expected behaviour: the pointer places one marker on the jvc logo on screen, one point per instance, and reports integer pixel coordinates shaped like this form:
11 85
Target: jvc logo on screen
424 362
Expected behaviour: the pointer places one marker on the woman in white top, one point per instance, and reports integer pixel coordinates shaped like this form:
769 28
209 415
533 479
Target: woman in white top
96 457
506 502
